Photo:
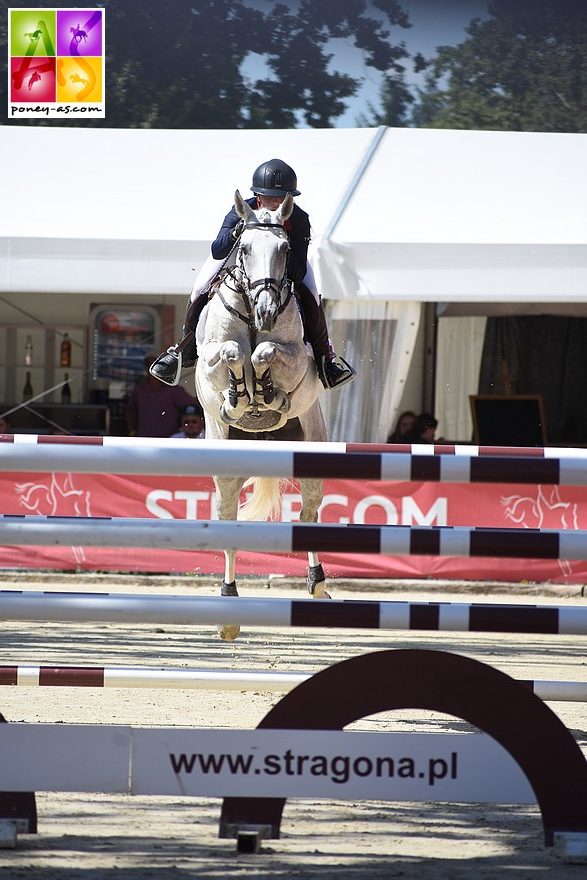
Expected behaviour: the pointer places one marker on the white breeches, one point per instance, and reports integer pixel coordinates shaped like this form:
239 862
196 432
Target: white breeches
211 268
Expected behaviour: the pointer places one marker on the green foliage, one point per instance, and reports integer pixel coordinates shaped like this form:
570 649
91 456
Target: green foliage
183 63
522 69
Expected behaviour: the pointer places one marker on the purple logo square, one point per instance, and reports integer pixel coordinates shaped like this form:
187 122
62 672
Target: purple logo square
79 31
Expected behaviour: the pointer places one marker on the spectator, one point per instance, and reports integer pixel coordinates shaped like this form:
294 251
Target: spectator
424 429
403 426
191 423
153 409
5 426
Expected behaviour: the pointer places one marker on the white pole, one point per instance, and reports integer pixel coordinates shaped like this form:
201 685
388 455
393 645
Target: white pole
150 677
170 610
175 457
133 533
211 679
282 537
251 611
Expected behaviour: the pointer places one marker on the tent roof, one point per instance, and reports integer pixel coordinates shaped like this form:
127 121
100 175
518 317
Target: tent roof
461 216
445 215
133 210
471 188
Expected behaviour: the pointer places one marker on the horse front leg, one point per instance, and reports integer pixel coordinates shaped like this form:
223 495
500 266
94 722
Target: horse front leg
265 393
236 396
312 495
227 494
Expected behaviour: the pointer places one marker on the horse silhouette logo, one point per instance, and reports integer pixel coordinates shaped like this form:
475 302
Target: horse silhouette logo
56 496
76 78
35 77
78 34
545 509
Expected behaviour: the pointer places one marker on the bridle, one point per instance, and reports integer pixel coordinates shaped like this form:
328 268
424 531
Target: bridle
272 285
262 384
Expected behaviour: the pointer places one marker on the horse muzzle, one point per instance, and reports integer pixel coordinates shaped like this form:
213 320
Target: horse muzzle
266 310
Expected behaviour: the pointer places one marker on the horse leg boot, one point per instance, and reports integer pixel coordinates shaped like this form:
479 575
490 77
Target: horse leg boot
168 366
332 371
265 392
312 495
236 397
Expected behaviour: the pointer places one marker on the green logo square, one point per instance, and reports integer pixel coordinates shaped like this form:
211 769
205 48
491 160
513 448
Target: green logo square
32 32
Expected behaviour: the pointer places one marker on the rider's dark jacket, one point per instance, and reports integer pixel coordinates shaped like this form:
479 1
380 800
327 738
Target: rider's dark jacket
297 227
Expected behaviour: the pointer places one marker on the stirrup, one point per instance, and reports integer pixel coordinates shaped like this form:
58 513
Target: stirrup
346 375
172 374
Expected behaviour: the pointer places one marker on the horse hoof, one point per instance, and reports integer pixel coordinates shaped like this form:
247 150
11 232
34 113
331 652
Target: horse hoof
229 632
228 420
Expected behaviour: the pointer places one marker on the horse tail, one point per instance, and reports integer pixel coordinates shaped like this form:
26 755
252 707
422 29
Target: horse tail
264 501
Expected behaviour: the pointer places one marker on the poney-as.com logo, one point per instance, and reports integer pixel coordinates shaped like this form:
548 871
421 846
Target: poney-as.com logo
56 63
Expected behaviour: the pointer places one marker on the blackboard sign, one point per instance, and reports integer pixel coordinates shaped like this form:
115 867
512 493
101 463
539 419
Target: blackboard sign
513 420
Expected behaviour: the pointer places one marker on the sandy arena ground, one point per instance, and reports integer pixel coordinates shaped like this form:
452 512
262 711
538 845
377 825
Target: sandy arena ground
89 837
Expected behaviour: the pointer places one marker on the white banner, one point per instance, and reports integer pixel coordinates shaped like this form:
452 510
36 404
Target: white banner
260 763
64 757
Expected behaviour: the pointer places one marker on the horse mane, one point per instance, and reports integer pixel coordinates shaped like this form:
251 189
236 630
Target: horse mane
264 215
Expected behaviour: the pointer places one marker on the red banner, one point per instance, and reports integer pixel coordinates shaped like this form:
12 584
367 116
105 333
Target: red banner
345 501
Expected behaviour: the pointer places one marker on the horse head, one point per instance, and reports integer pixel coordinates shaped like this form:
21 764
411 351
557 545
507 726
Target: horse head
262 257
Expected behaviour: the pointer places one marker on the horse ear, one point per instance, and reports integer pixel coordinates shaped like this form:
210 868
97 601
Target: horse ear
286 207
244 211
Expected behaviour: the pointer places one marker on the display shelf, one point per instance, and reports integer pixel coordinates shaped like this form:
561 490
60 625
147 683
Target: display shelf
107 354
45 366
38 418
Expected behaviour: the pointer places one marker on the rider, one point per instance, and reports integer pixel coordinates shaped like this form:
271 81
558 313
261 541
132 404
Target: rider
271 182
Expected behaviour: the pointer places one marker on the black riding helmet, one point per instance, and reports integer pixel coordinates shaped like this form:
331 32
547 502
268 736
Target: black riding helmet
275 178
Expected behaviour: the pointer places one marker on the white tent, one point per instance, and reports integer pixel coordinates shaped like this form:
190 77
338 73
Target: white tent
133 210
467 216
399 216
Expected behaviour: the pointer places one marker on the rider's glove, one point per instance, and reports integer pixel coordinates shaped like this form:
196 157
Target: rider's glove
237 231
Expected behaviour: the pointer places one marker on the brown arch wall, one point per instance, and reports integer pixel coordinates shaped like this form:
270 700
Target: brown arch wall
435 680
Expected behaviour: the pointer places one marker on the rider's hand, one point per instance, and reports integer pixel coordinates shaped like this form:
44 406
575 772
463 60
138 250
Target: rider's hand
237 231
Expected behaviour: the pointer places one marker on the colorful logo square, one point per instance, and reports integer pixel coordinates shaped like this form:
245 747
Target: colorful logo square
79 32
79 79
32 31
32 80
56 63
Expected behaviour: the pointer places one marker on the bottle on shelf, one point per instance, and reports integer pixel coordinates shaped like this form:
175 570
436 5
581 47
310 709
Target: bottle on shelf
66 390
65 352
28 351
27 391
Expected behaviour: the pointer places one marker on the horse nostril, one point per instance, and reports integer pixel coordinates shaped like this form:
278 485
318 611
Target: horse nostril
265 312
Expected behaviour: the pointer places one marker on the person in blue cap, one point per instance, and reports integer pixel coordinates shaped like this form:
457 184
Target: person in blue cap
191 423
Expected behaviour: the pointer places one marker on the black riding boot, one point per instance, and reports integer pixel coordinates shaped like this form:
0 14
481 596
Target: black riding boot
168 366
332 373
